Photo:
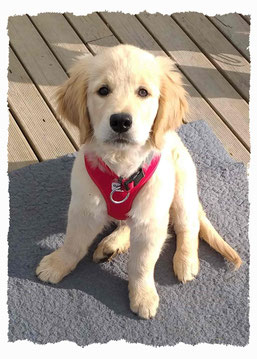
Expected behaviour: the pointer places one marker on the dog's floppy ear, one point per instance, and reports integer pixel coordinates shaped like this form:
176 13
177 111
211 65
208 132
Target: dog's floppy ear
172 102
71 98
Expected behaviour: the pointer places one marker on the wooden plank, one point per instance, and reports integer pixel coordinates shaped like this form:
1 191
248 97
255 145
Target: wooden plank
247 18
199 109
203 75
60 37
131 31
64 41
46 136
90 27
97 46
20 154
93 31
234 67
40 63
236 29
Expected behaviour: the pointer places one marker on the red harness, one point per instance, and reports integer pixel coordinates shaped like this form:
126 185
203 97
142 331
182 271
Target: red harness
119 193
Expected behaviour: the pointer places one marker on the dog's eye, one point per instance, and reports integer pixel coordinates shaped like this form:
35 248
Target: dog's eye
142 92
103 91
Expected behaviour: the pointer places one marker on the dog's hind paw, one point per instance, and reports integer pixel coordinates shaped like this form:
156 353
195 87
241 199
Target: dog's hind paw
117 242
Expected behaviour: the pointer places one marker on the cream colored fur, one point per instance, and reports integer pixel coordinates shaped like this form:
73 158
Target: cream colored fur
170 194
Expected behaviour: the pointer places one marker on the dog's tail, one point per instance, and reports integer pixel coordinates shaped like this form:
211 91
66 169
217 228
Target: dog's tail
212 237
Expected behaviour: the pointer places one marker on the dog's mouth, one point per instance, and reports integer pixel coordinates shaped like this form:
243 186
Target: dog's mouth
120 140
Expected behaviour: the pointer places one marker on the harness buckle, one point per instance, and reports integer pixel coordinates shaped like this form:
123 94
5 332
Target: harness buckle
116 187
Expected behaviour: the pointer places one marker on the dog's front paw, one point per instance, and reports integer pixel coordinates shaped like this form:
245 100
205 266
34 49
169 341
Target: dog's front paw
116 243
186 267
144 301
53 268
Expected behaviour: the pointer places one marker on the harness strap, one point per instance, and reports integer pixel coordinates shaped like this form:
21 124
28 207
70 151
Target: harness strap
119 193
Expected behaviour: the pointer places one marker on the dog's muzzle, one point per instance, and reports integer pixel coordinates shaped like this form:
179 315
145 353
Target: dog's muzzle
120 122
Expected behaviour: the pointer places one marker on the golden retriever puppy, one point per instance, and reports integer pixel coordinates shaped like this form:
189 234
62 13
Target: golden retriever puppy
132 168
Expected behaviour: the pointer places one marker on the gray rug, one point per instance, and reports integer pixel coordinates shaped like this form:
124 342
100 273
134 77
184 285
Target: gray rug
91 305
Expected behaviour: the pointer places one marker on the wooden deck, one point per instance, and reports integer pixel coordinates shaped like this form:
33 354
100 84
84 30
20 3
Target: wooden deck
211 53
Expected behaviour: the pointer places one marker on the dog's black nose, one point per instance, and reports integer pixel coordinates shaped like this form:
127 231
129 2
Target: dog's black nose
121 122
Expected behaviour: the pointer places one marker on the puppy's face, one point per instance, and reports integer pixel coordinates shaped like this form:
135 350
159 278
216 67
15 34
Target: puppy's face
123 97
